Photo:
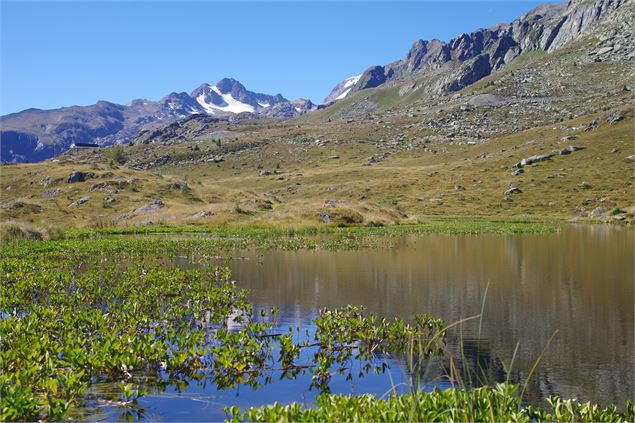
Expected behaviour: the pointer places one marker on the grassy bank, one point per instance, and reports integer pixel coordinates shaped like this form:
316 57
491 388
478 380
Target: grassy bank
447 225
204 242
222 239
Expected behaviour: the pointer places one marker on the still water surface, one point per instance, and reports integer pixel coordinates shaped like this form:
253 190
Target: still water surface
577 284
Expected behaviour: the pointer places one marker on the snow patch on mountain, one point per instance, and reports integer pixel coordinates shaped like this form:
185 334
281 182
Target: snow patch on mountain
230 104
352 81
342 89
348 86
344 94
233 105
208 107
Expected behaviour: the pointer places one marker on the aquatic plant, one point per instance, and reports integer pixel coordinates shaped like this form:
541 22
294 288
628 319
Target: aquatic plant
490 403
82 312
76 313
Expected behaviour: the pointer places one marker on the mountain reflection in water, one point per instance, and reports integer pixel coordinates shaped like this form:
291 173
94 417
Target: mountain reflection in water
578 282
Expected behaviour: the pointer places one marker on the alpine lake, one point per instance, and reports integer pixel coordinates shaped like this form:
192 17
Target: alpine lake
183 325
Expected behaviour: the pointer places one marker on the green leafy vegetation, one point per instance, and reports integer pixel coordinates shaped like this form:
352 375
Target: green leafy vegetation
492 404
100 309
129 320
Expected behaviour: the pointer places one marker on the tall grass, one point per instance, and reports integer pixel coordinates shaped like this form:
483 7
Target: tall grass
11 231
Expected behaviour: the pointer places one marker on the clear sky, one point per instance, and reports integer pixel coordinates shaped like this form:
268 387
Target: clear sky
74 53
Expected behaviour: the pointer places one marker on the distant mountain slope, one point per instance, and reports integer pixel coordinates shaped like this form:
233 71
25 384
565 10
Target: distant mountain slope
470 57
34 135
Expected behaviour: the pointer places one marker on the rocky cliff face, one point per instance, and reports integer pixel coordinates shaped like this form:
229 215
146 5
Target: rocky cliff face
35 135
470 57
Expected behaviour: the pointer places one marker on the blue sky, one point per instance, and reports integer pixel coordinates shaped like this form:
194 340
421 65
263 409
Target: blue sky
74 53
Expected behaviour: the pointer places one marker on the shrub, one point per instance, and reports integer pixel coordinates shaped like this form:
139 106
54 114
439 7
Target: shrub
15 232
344 217
18 231
118 155
50 231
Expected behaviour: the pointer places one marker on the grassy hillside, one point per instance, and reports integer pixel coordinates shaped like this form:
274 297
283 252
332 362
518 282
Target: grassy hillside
394 154
302 180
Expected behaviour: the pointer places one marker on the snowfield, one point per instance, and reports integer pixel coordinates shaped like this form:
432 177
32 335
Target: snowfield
231 104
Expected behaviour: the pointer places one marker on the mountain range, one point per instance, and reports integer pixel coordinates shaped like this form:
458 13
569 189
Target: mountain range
34 135
431 69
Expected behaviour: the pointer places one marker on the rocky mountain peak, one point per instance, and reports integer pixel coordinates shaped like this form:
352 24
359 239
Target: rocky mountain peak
228 85
472 56
203 88
371 78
